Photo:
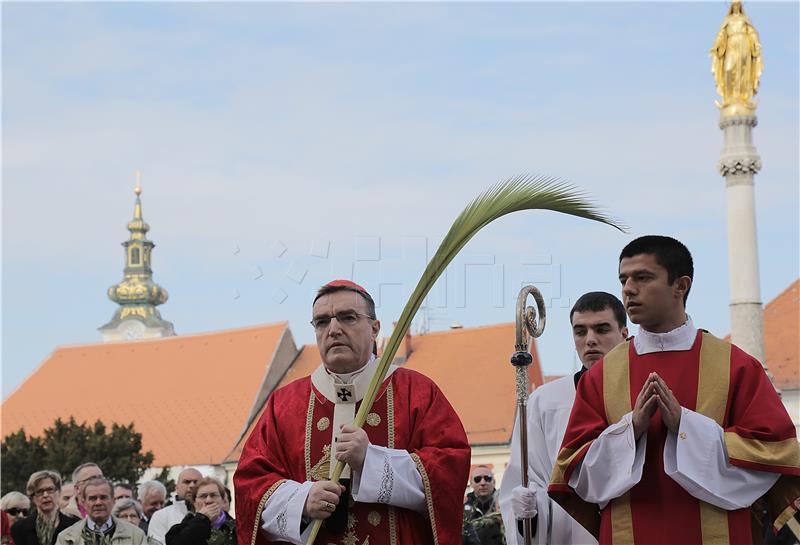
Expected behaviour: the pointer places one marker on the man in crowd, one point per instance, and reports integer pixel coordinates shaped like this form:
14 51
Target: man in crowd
483 524
81 475
405 468
99 527
67 491
153 496
163 519
598 324
123 491
675 433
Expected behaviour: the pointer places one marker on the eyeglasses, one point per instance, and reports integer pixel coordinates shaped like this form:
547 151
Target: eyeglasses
14 511
209 496
50 490
346 318
477 478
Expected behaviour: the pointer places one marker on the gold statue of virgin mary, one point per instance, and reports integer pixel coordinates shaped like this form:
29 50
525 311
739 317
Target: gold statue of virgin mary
736 62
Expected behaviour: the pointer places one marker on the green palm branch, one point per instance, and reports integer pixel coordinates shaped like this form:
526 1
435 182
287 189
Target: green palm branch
520 193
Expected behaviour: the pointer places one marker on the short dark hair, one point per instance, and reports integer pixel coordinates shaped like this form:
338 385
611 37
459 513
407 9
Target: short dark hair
597 301
326 289
670 253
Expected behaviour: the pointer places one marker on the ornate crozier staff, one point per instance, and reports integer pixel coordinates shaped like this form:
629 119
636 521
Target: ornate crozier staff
527 324
520 193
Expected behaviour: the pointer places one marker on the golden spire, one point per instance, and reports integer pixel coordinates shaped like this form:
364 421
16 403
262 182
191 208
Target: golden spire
736 62
137 293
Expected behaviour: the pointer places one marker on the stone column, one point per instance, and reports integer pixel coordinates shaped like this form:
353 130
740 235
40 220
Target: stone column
739 162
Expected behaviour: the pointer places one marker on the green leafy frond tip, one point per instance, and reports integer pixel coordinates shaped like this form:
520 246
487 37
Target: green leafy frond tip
526 192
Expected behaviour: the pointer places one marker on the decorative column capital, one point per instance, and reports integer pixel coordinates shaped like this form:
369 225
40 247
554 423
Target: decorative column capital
739 165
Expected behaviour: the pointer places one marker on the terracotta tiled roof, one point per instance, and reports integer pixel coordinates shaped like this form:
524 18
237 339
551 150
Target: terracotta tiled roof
188 395
782 337
307 360
472 368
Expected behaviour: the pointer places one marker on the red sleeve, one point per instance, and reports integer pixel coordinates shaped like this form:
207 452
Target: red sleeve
759 433
586 422
262 468
440 448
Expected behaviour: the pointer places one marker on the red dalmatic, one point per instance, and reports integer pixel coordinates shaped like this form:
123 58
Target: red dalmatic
715 379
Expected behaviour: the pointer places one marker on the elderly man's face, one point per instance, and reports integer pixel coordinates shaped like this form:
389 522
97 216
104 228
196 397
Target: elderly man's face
153 502
482 482
187 482
345 345
98 500
84 475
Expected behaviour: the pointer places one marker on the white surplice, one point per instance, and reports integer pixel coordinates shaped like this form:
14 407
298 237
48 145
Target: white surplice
548 412
696 457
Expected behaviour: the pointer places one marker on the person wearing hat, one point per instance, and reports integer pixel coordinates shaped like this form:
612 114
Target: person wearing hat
406 468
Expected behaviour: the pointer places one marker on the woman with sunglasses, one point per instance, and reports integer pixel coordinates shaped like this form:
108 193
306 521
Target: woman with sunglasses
210 524
42 526
16 505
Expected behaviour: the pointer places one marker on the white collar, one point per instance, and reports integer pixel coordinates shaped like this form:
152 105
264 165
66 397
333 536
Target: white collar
95 528
680 338
329 384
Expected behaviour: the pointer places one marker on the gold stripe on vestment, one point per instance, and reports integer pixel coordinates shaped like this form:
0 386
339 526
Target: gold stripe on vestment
617 399
617 383
714 377
713 380
622 520
769 453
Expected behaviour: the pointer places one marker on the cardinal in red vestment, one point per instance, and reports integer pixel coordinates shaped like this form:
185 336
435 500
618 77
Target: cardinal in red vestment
407 467
675 434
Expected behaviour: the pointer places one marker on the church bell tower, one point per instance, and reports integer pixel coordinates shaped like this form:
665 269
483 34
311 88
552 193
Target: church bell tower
137 295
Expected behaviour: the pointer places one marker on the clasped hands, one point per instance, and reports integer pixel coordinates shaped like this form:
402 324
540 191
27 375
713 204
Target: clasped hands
655 394
351 448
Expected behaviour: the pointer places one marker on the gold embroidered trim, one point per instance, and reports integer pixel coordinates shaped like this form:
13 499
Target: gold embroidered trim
392 527
390 415
307 445
260 509
373 419
374 518
322 469
428 498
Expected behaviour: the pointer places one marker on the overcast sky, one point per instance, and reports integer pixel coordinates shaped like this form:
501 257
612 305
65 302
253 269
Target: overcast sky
284 144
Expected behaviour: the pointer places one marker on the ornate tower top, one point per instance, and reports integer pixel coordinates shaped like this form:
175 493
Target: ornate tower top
736 63
137 294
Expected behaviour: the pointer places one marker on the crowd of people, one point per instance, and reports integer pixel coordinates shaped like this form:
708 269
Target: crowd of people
670 436
92 510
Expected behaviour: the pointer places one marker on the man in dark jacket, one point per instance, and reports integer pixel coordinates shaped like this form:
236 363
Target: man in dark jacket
483 524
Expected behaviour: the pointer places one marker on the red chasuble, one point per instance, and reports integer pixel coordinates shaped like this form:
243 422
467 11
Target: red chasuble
292 441
715 379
